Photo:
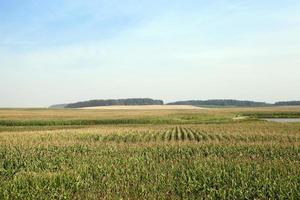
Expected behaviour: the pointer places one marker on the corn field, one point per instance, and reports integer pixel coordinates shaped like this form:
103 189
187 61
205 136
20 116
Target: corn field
244 160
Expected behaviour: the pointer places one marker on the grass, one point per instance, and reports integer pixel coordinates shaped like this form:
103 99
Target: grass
192 160
272 114
178 120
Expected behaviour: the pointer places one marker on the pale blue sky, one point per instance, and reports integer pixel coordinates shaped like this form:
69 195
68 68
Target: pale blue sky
69 50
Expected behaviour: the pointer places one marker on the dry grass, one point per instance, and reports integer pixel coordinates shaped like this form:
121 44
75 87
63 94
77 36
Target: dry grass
44 114
40 114
146 107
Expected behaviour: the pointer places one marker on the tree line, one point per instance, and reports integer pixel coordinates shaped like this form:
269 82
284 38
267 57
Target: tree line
287 103
220 102
148 101
112 102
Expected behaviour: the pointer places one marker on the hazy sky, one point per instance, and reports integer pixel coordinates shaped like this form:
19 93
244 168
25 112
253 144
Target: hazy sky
57 51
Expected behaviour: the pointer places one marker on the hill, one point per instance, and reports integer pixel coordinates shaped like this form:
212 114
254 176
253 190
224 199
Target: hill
146 107
58 106
111 102
288 103
221 102
149 101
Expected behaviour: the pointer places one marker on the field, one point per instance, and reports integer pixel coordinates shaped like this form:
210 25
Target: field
147 107
216 153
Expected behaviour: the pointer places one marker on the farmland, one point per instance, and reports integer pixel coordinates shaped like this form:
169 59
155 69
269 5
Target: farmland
149 154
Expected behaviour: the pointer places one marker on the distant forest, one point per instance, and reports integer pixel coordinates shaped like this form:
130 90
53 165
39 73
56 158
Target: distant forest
287 103
111 102
232 102
220 102
148 101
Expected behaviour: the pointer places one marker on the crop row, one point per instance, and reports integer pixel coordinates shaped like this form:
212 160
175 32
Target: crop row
185 171
186 134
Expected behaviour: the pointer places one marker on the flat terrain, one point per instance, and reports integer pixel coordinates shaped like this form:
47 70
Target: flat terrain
147 107
149 154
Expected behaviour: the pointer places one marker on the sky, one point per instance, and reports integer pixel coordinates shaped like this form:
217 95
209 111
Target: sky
61 51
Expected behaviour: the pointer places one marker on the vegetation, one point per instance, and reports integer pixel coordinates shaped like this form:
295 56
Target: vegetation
288 103
259 115
205 103
110 102
221 102
239 159
59 106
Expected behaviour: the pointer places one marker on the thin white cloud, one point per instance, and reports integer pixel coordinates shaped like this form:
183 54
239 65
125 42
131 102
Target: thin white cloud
212 52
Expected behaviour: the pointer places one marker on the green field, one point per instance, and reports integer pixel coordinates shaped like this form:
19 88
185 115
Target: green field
218 153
